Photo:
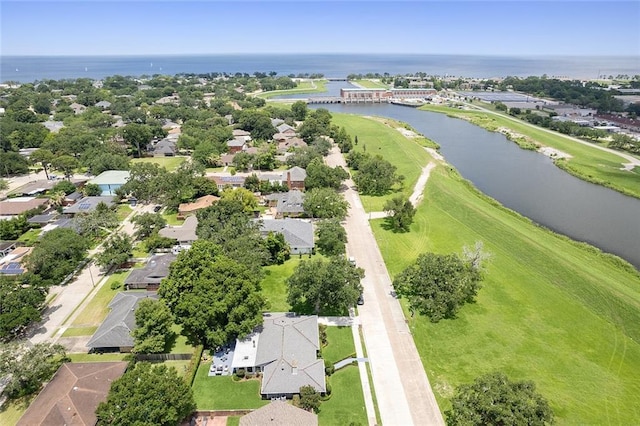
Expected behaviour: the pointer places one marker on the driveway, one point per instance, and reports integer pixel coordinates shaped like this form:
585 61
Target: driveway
402 388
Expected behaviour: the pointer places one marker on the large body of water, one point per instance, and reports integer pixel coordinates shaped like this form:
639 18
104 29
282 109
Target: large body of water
525 181
33 68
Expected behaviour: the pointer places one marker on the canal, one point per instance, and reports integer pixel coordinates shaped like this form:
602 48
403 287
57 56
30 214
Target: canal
524 181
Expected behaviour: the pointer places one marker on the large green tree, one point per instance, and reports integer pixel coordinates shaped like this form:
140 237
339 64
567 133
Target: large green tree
376 176
138 136
44 157
323 285
153 331
331 237
401 212
325 203
437 285
117 250
147 395
20 306
147 224
319 175
57 255
215 298
28 367
493 399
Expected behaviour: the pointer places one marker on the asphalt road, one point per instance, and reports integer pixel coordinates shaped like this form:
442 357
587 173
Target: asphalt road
402 388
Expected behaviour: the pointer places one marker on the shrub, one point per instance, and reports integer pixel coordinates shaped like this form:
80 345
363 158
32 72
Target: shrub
192 369
116 285
329 369
240 373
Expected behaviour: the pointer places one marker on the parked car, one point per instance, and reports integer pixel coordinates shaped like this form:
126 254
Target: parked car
352 260
361 299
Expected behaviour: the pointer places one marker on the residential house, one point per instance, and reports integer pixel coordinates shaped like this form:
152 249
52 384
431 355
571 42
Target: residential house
53 126
236 145
72 396
77 108
279 413
227 159
164 148
13 262
203 202
89 204
228 181
294 178
285 348
114 334
241 135
149 277
6 247
103 105
275 122
286 204
290 143
184 234
298 234
13 207
109 181
42 219
285 129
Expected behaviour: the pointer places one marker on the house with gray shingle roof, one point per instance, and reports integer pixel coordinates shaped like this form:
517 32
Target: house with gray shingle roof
103 104
287 204
279 413
89 204
114 334
297 233
285 348
149 277
286 129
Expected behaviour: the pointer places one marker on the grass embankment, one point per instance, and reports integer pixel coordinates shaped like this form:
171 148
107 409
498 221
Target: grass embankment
305 86
371 84
587 163
169 163
380 136
551 310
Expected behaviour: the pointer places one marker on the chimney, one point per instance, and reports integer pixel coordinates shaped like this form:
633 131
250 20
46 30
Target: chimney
289 180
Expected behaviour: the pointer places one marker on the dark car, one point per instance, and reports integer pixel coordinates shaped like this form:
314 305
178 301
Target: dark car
156 209
361 299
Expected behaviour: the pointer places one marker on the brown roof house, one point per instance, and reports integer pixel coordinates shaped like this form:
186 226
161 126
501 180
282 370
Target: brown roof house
149 277
285 348
72 396
114 334
279 413
185 209
16 206
294 178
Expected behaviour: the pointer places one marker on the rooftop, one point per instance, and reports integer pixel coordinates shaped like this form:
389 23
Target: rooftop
111 177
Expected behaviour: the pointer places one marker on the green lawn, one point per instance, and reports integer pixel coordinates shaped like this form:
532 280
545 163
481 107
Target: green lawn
12 410
172 219
371 84
30 237
169 163
408 156
222 393
107 357
180 345
346 405
274 285
588 163
123 211
79 331
317 86
551 310
339 344
233 421
97 309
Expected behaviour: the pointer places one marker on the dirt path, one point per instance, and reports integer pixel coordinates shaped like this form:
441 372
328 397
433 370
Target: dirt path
418 190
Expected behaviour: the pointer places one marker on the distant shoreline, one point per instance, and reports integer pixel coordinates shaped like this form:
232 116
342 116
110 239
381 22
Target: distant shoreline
26 69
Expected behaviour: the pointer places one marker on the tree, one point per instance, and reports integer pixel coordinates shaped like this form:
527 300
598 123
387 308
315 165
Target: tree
44 157
137 135
319 175
309 398
66 164
12 163
147 395
243 161
64 186
27 368
299 110
375 176
4 184
279 251
153 333
325 285
401 213
331 237
145 182
215 298
20 306
91 190
147 224
92 224
246 197
437 285
493 399
117 250
57 255
325 203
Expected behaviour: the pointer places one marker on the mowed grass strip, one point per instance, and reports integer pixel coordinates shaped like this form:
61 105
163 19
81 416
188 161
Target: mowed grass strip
339 344
304 86
551 310
346 405
588 163
97 309
169 163
374 137
222 393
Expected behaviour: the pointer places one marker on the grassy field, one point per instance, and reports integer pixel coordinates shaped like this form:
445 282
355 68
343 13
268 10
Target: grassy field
306 86
382 137
12 410
222 393
339 344
346 406
551 310
123 211
588 163
169 163
172 219
371 84
274 285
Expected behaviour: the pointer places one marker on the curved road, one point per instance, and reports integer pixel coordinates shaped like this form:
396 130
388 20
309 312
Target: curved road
402 388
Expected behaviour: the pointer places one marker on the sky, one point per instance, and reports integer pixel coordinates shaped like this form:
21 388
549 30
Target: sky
118 27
